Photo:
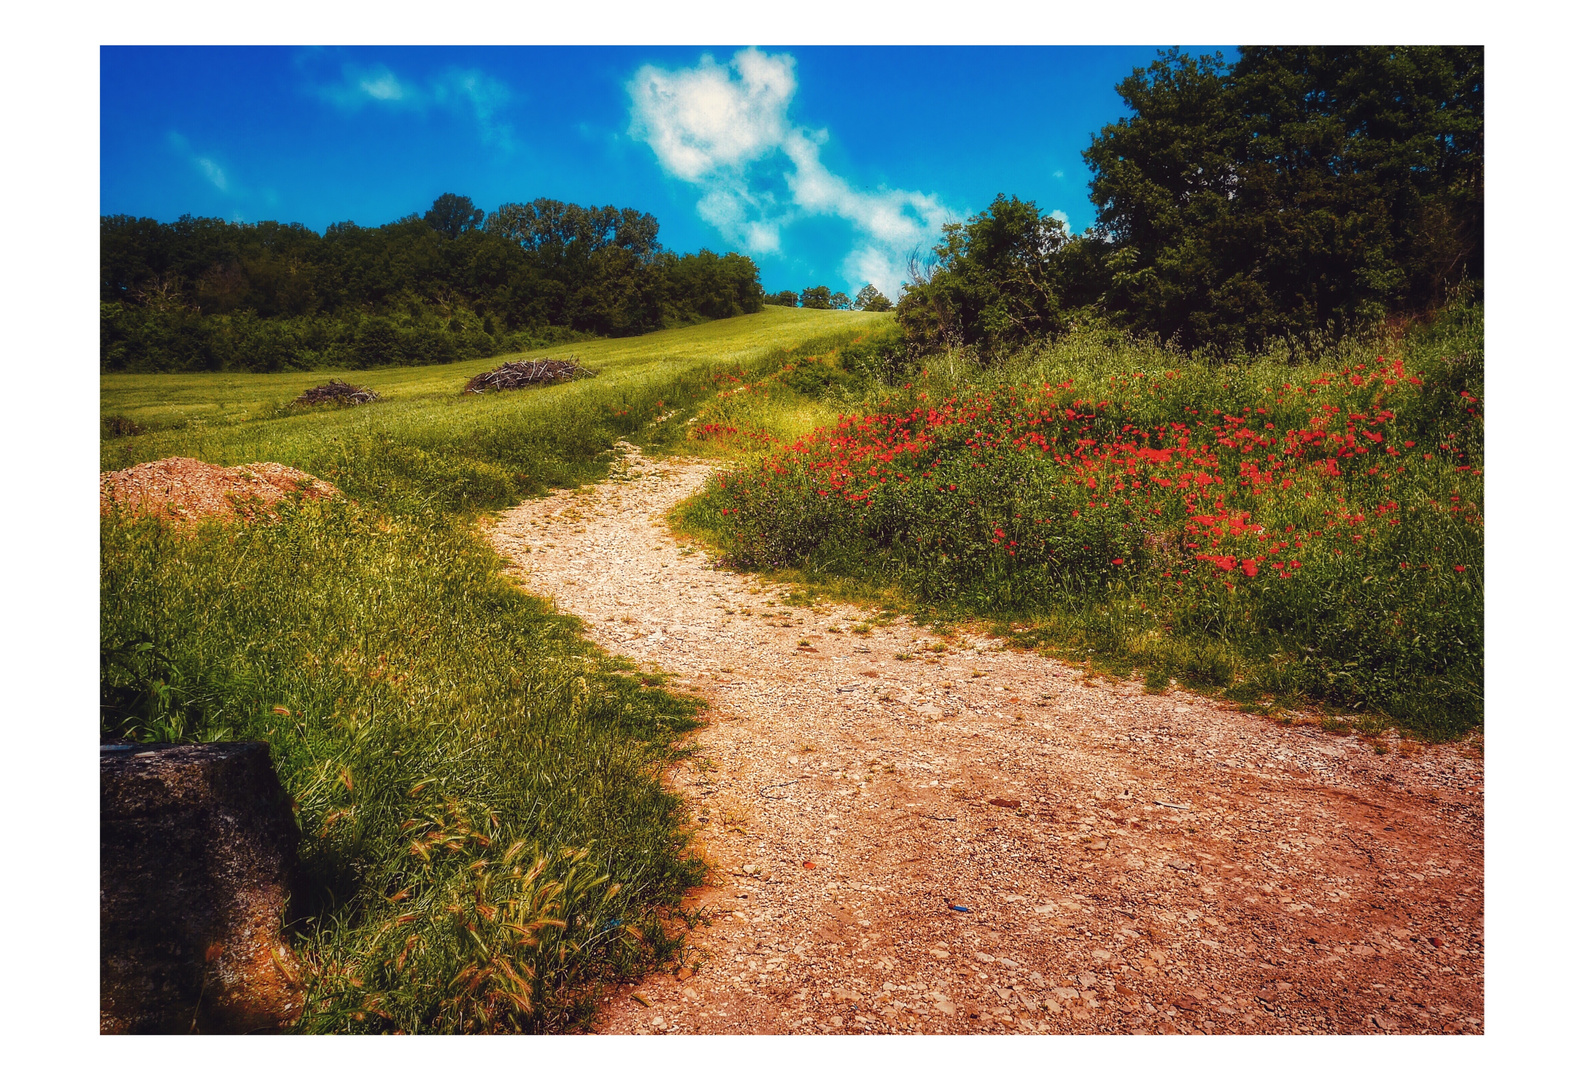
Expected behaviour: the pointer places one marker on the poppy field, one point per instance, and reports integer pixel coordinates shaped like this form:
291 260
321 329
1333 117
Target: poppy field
1280 531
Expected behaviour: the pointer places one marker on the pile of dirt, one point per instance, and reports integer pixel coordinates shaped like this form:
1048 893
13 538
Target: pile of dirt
523 373
338 393
185 489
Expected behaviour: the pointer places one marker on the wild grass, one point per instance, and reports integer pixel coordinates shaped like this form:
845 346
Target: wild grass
485 832
1283 530
200 404
427 442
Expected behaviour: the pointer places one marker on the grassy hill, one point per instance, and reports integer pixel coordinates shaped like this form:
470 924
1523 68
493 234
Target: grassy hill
203 405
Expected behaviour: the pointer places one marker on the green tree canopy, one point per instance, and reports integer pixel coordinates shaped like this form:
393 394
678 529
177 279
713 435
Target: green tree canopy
816 296
993 280
453 215
1294 193
871 299
1298 189
205 293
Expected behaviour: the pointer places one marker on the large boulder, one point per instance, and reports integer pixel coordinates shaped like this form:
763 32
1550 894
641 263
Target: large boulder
197 868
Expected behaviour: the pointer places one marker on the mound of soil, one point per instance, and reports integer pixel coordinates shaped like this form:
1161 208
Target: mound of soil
185 489
523 373
336 392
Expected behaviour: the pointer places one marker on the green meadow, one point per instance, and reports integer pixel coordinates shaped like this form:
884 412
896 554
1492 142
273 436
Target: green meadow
487 838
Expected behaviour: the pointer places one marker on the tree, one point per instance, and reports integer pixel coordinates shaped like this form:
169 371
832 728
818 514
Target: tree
871 299
816 296
784 298
203 293
840 302
992 283
1299 190
451 215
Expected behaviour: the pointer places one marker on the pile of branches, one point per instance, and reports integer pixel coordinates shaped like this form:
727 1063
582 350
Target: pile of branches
521 373
336 392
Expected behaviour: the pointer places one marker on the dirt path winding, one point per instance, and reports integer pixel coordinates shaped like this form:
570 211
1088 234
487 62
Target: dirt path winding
1126 862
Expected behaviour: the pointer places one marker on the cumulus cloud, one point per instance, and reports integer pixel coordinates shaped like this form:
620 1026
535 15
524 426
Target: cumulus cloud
464 91
726 128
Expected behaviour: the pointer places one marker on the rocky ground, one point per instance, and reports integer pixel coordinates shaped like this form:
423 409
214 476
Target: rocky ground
914 833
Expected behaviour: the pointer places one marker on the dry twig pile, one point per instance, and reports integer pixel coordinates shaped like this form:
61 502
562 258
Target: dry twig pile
523 373
340 393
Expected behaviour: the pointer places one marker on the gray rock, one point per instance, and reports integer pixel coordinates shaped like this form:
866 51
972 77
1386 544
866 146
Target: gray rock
197 866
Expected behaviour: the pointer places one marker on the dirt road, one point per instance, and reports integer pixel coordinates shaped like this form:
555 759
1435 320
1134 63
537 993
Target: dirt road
917 834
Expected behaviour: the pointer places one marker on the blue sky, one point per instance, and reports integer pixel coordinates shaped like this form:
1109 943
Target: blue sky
828 165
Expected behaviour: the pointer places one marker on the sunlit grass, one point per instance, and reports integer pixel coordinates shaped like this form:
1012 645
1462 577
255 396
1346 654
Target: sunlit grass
157 402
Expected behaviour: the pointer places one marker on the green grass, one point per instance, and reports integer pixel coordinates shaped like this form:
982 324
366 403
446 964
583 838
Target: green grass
201 404
429 443
1011 508
485 832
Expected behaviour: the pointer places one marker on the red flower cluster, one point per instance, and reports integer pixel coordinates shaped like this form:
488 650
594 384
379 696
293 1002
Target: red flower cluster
1247 483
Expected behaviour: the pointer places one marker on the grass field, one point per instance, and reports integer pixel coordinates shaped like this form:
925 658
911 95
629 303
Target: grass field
204 402
484 828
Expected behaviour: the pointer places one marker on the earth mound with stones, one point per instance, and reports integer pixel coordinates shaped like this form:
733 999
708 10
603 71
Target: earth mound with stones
185 489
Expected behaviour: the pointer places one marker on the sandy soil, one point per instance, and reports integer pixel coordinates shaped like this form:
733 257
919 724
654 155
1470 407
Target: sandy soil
972 839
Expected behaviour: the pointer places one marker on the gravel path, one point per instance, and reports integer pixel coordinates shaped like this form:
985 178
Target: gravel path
918 834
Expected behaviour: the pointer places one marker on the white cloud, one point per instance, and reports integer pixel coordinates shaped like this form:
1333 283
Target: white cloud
361 85
726 129
457 90
215 174
484 97
206 164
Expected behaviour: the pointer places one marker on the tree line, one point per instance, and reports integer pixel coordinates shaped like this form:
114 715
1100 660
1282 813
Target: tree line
1293 194
454 283
819 297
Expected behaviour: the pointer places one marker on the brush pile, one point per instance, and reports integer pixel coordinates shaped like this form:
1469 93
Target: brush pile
523 373
338 393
